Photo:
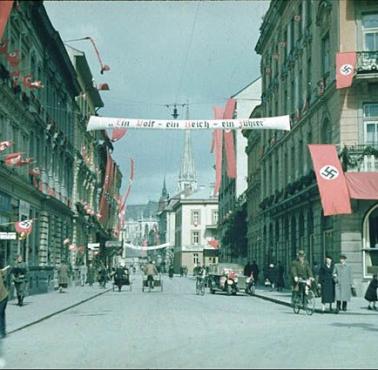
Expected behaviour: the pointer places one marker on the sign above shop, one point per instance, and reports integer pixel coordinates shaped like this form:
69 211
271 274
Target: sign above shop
113 243
8 236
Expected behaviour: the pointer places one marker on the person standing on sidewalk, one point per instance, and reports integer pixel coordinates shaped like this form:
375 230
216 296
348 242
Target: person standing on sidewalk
255 271
62 277
327 284
83 274
3 301
19 279
371 293
91 275
344 283
280 276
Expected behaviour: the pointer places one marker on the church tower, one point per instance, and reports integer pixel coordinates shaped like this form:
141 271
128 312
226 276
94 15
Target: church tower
164 198
187 181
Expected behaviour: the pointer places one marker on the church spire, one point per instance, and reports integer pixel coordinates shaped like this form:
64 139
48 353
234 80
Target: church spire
164 192
188 176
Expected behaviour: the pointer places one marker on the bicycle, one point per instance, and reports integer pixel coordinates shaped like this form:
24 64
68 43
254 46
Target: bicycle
304 299
200 285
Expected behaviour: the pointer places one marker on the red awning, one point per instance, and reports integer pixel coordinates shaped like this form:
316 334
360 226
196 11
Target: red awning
362 185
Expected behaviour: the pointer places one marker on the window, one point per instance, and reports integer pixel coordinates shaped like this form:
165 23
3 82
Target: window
325 54
215 218
195 237
196 220
195 259
370 31
371 124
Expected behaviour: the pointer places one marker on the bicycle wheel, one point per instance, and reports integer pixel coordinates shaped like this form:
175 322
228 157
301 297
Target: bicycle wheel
202 288
296 303
197 288
310 303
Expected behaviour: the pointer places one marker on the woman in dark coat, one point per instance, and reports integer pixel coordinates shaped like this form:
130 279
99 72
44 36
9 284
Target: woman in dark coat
371 293
327 283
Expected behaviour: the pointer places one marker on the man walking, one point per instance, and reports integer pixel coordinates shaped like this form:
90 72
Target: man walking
3 301
19 279
255 271
83 274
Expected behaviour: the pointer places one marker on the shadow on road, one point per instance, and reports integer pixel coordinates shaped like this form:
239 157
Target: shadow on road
368 327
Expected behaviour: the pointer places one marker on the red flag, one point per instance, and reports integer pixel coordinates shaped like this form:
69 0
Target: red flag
25 161
5 145
14 58
118 133
13 159
362 185
345 68
5 9
27 80
218 149
333 189
229 140
132 169
4 47
25 226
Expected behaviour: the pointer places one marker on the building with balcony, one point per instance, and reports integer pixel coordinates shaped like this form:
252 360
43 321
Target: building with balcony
298 45
232 192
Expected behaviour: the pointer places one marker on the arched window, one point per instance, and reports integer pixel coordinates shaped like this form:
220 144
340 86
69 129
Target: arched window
370 242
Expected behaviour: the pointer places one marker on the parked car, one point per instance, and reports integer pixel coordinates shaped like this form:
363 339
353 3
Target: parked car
229 278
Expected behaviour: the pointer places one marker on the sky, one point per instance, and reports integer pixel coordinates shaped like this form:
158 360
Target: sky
163 53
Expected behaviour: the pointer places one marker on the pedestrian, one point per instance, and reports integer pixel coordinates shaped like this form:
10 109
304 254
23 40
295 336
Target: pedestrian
280 283
62 277
371 293
3 301
19 279
91 275
247 269
83 274
327 283
272 276
344 283
255 271
315 272
102 276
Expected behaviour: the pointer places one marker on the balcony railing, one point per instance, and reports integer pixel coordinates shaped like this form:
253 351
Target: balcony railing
360 158
367 62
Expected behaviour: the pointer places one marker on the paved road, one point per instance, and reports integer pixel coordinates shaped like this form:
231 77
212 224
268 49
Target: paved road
177 329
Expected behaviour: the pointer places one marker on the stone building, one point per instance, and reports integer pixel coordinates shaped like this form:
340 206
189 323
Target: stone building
44 123
298 45
232 192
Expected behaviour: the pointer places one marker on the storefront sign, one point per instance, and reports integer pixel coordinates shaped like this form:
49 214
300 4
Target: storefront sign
113 243
94 246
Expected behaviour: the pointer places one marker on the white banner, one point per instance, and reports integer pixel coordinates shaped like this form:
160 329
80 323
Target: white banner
151 248
272 123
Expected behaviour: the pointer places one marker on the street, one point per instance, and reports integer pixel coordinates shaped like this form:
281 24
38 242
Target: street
177 329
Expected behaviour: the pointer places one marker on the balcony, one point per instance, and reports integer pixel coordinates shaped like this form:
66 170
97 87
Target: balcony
367 64
360 158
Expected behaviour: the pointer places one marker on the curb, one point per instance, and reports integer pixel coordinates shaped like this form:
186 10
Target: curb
283 303
58 312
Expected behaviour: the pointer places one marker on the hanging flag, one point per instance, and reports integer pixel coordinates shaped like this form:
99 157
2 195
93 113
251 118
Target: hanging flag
218 150
4 47
13 159
25 226
14 58
132 169
213 243
5 10
345 69
118 133
332 185
5 145
26 80
24 162
229 140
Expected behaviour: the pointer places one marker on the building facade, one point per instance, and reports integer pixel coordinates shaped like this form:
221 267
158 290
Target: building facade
196 223
45 123
232 192
298 45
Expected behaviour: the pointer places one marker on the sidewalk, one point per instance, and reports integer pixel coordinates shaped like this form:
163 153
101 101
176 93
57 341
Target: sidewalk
356 305
42 306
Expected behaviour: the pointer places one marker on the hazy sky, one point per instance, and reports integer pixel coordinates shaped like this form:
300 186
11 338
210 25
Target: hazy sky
164 52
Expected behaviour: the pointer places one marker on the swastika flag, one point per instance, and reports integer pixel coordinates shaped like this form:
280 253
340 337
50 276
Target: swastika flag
345 67
331 181
25 226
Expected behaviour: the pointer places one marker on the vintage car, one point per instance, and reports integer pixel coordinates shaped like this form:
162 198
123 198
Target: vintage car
229 278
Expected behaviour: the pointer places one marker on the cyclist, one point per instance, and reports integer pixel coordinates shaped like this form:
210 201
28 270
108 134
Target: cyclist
201 274
150 271
300 270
